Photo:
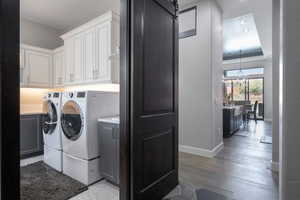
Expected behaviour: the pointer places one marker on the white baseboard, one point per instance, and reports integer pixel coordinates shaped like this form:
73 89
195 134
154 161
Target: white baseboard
201 152
268 119
274 166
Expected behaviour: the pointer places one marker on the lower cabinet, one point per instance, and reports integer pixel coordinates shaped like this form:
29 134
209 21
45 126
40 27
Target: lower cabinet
231 121
109 151
31 136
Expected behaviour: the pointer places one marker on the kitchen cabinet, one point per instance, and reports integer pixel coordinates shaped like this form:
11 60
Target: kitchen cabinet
39 65
90 51
35 67
103 51
31 136
89 55
74 60
58 64
232 120
109 150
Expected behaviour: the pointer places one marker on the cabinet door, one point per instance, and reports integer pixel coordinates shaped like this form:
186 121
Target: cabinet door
89 55
103 51
22 67
107 150
77 75
58 68
39 68
69 60
31 140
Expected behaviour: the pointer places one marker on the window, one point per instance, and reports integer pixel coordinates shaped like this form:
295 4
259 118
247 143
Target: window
244 72
249 89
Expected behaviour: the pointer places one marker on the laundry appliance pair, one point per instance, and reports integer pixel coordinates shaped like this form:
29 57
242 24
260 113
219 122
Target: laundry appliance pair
71 140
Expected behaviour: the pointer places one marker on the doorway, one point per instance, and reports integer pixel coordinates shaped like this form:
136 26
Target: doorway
167 12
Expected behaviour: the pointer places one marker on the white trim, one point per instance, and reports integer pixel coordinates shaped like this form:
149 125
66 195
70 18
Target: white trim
58 50
248 59
274 166
34 48
29 161
201 152
268 120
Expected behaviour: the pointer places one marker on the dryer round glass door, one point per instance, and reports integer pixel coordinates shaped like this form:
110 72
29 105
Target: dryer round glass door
50 120
71 120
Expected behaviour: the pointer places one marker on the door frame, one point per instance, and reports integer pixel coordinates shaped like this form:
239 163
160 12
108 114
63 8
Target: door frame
10 99
125 96
10 113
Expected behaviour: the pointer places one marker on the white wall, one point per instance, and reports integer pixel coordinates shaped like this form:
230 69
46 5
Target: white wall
268 89
39 35
198 62
290 101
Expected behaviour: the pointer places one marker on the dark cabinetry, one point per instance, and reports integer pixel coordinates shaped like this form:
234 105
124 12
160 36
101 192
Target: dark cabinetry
109 151
232 121
31 136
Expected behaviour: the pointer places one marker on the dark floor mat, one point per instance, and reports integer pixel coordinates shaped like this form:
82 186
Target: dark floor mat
209 195
186 191
40 182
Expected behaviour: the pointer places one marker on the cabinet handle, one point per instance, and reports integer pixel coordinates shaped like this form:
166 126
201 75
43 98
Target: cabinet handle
28 78
59 80
71 77
96 74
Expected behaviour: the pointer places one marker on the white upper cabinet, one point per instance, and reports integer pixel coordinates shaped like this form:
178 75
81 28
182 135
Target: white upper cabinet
103 51
89 64
36 67
58 64
77 70
68 61
90 50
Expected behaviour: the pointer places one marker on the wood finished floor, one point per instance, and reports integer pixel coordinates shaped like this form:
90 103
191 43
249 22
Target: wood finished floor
241 169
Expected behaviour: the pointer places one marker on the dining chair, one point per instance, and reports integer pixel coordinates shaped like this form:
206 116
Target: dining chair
253 112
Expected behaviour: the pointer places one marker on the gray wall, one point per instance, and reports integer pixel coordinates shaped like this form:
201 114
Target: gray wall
217 73
39 35
196 81
268 90
276 46
290 101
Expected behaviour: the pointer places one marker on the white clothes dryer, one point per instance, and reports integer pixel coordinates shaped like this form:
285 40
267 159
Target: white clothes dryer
79 114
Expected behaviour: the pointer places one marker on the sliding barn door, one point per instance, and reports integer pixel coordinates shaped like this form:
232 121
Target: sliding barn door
154 100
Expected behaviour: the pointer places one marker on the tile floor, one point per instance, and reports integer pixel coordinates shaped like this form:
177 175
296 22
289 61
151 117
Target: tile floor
102 190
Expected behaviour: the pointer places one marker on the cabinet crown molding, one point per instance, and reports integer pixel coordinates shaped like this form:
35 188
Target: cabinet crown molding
106 17
34 48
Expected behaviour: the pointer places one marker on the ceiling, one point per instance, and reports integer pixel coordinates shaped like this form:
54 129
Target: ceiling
64 15
262 13
240 35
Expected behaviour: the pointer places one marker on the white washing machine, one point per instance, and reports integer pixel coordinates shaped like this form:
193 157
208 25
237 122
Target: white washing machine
52 130
79 114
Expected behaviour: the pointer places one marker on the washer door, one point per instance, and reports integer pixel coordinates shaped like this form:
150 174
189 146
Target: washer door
50 120
71 120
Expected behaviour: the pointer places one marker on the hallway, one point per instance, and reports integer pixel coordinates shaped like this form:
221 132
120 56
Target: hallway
240 171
